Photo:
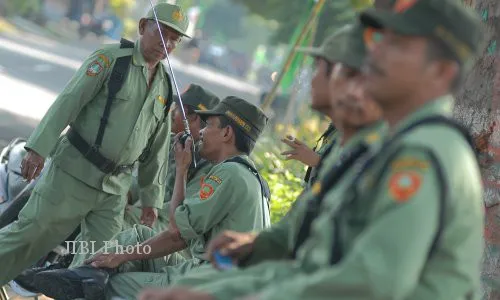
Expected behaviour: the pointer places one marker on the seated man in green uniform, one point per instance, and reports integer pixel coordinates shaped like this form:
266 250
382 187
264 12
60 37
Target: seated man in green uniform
320 101
231 197
111 130
359 123
194 98
406 221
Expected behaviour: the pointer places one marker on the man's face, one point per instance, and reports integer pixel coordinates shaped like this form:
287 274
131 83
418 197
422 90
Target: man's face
195 122
319 86
151 42
397 66
212 137
353 108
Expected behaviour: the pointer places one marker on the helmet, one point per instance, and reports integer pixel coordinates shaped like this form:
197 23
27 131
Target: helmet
16 156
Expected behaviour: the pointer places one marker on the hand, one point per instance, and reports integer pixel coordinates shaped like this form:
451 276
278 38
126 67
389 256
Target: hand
149 216
173 294
300 152
183 154
32 165
106 260
237 245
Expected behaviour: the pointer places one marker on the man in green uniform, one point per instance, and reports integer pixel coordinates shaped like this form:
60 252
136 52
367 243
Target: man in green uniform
320 101
88 181
231 196
194 98
405 222
359 121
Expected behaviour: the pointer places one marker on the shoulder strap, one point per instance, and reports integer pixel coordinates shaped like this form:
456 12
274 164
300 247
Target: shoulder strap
266 192
328 131
439 119
444 192
264 187
116 79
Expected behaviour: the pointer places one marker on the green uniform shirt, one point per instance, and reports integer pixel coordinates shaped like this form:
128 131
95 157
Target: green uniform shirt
229 199
279 240
386 232
135 113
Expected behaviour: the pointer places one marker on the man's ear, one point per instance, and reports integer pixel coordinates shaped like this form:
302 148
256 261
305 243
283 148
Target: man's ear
445 71
227 133
142 25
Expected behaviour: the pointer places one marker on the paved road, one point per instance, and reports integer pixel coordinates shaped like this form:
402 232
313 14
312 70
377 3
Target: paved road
33 70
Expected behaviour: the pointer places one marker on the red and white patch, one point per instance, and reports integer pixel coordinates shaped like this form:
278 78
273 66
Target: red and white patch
403 185
206 191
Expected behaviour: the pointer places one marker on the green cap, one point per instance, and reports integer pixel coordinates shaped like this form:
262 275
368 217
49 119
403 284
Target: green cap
447 20
171 15
248 117
198 98
346 46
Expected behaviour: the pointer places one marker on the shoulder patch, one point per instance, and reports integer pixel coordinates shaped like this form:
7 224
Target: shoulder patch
406 163
105 60
215 178
206 191
94 68
372 137
404 184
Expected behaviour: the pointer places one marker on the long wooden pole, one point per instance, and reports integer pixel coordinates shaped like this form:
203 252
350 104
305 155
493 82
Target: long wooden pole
314 13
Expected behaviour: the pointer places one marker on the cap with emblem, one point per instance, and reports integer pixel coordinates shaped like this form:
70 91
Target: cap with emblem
198 98
458 26
248 117
346 46
171 15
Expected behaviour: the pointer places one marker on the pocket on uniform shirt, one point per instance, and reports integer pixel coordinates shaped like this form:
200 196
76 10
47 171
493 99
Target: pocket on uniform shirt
158 109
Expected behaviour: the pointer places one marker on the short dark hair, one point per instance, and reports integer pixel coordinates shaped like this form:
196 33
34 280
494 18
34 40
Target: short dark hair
439 50
243 142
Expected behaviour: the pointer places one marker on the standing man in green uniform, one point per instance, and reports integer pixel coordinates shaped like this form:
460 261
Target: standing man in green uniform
194 98
88 181
231 196
406 222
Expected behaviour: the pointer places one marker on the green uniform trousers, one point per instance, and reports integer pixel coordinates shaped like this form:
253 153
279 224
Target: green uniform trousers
57 205
238 282
134 276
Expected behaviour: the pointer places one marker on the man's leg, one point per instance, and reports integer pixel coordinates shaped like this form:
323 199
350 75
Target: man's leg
128 285
100 225
231 284
55 208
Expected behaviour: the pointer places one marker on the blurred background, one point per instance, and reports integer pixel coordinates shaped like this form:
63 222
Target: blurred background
238 47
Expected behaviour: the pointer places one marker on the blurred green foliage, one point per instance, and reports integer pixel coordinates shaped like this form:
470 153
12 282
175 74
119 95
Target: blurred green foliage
285 178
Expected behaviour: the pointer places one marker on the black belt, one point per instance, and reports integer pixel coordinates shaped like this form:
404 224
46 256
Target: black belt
92 154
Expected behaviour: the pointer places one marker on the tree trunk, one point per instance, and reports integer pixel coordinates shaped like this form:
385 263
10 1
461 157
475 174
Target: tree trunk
478 104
